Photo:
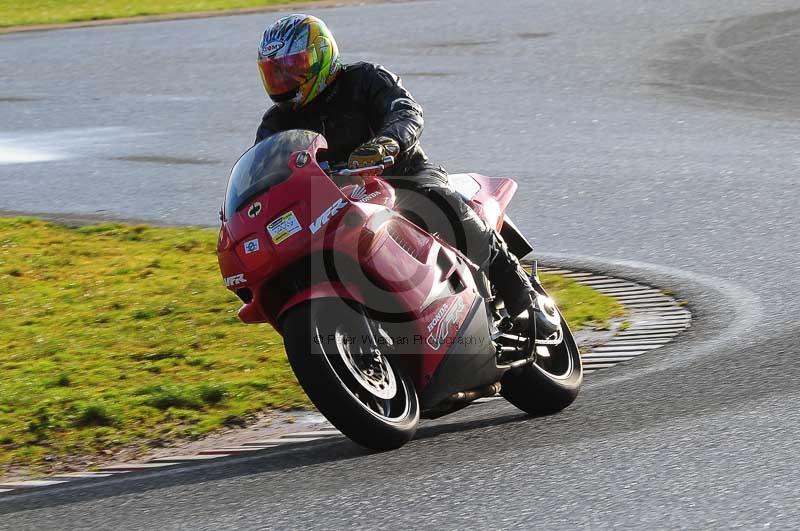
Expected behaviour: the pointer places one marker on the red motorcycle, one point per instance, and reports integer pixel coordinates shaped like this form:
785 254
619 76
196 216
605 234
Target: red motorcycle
383 323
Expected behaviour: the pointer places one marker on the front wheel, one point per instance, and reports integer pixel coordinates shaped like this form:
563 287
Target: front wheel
551 382
332 349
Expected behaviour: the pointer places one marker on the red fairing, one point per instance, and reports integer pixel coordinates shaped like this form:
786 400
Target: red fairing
488 196
339 290
408 260
265 244
373 190
274 230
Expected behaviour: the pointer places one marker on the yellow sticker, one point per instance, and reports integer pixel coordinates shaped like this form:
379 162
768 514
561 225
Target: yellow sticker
284 226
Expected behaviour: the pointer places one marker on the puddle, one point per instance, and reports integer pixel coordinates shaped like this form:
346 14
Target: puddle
459 44
17 99
46 146
426 74
12 154
533 35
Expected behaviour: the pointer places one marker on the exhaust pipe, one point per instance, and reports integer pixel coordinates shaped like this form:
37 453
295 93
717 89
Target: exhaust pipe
474 394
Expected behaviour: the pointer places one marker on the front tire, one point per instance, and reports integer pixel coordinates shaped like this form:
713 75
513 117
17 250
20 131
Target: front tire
332 349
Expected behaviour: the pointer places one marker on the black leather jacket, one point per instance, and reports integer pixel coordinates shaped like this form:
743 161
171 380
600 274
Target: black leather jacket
365 101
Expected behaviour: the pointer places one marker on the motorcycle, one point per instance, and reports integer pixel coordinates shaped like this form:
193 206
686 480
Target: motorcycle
383 323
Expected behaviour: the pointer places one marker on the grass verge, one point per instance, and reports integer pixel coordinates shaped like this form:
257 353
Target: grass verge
122 335
34 12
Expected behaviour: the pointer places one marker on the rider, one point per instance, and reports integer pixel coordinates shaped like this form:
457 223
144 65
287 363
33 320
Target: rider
366 114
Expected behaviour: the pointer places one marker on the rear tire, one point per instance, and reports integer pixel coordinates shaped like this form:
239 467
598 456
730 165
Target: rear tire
547 388
358 389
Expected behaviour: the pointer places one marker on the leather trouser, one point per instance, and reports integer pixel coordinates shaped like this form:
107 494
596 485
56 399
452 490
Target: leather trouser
424 196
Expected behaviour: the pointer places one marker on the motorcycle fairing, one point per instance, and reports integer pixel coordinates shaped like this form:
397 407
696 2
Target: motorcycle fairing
431 284
308 195
469 363
373 191
419 275
488 196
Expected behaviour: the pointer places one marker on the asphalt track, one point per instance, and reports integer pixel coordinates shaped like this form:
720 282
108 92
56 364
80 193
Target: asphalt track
660 136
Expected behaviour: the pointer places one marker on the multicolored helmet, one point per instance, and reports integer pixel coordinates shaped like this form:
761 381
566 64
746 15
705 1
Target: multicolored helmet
298 58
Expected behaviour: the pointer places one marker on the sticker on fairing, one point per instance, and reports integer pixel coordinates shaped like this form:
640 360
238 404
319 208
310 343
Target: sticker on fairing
254 210
445 318
284 226
235 280
251 246
360 194
326 216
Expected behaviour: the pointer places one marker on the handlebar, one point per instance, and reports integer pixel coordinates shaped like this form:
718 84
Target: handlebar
366 170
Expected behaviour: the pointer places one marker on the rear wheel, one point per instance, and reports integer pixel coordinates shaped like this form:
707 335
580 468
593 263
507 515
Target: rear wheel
332 349
551 382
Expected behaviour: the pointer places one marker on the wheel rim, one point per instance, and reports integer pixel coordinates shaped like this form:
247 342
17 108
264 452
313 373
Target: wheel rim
556 361
368 366
367 374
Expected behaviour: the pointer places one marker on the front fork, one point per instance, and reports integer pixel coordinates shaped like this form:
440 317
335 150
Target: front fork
540 326
547 321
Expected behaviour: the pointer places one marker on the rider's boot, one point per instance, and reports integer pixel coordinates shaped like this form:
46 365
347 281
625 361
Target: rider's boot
484 246
509 279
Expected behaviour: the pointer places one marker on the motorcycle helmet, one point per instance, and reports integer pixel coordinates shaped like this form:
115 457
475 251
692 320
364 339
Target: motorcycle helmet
298 58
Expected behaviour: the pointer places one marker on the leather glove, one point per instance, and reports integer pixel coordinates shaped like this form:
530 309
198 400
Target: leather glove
373 152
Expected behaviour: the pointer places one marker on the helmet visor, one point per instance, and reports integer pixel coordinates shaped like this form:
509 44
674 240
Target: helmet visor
287 73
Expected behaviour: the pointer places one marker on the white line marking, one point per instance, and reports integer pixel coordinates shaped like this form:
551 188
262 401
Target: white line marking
82 475
267 442
182 458
31 483
221 452
130 467
311 434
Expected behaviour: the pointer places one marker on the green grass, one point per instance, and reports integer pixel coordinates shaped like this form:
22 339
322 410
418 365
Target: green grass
581 305
112 335
115 335
28 12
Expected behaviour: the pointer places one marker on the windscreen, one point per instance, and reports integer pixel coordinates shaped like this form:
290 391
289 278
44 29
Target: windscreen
263 166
